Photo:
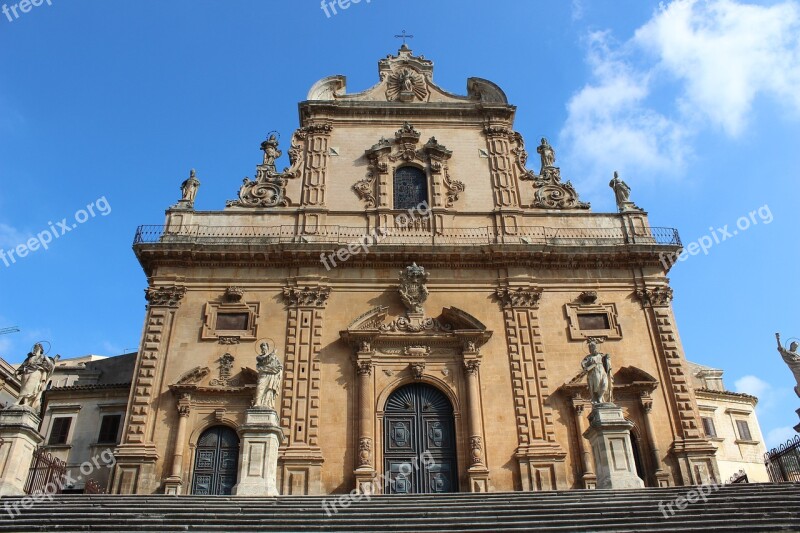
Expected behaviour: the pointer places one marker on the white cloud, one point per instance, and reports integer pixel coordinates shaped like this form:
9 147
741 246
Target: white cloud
726 53
752 385
11 236
609 127
577 9
779 436
717 56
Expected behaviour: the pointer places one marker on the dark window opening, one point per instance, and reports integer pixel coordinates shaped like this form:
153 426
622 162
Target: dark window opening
60 430
744 430
708 427
410 188
233 321
109 428
593 321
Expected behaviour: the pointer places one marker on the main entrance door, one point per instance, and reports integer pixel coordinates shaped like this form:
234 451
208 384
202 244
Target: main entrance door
419 442
216 461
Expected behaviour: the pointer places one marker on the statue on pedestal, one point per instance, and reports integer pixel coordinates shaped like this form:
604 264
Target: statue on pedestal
270 377
622 194
597 367
189 188
792 359
33 374
547 154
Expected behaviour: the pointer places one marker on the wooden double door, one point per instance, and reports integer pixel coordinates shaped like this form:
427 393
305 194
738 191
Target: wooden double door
419 442
216 462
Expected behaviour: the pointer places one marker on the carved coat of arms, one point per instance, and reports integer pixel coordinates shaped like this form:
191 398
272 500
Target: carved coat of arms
413 291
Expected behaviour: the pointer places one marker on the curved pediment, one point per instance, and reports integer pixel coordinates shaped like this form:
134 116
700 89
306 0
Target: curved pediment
459 319
627 379
406 78
372 319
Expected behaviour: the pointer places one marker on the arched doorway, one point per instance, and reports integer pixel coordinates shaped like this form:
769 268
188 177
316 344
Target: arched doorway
216 462
419 451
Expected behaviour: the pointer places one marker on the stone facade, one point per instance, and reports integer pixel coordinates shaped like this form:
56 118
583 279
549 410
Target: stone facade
510 274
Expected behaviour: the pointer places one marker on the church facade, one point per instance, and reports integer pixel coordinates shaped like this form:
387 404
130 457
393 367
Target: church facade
430 298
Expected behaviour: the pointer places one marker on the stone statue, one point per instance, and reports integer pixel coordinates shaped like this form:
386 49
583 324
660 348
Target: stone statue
189 188
621 190
597 367
270 377
792 359
33 373
271 153
547 153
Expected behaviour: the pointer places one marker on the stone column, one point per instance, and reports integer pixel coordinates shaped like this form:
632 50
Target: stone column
695 455
137 454
661 477
478 473
365 469
588 477
260 436
541 459
301 456
610 435
19 437
174 483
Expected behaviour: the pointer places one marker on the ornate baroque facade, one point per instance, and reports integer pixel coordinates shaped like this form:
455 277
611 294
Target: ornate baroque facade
428 293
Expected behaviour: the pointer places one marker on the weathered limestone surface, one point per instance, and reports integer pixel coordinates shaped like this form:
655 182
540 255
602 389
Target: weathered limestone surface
308 258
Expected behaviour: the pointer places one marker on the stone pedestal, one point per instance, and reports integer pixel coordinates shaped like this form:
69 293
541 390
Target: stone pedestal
610 436
258 460
19 437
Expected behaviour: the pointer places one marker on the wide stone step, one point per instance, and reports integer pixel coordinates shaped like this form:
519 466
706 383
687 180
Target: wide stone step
762 507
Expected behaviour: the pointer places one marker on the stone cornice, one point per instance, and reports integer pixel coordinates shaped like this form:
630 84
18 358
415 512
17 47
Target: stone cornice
151 255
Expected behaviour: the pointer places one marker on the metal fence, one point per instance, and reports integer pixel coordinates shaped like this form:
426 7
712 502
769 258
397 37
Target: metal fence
46 474
93 487
783 462
342 235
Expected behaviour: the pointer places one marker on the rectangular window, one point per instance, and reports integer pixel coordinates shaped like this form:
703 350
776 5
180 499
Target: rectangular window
708 426
233 321
109 428
593 321
60 430
744 430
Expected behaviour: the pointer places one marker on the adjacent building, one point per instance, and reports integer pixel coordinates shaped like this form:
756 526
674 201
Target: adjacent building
730 423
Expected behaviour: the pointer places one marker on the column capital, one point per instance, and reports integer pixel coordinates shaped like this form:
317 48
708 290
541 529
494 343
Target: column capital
472 366
526 297
654 296
307 296
168 296
364 368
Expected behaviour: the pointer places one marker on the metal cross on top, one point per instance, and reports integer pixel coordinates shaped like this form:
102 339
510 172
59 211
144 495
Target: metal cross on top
404 37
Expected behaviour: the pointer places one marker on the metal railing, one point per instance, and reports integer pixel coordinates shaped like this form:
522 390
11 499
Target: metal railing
342 235
783 462
46 474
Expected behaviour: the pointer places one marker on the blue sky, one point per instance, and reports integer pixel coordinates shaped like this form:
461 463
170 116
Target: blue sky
695 103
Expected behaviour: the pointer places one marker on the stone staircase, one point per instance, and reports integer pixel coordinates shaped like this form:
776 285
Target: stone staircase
753 507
